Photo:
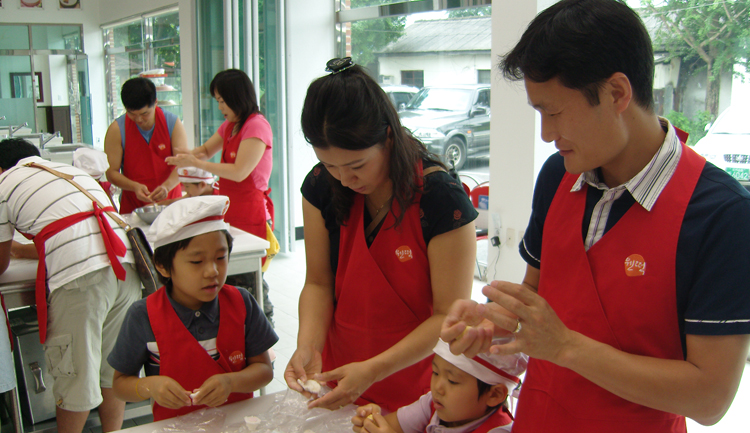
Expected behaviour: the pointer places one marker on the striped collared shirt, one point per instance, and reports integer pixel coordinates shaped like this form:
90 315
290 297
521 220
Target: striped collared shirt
645 187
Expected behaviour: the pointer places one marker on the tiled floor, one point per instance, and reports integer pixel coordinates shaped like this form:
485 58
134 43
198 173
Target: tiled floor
286 276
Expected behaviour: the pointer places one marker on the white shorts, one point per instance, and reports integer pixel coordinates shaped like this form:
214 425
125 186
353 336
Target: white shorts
84 319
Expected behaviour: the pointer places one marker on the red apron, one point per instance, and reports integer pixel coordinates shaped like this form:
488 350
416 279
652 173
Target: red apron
144 162
500 418
183 358
621 293
382 294
248 204
113 244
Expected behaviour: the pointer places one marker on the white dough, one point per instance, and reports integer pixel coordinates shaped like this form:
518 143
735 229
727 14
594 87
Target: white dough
252 422
193 396
310 386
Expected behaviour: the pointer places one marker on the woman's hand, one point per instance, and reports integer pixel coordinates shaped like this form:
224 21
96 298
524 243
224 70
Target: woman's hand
305 363
353 379
142 193
214 391
167 392
183 160
159 193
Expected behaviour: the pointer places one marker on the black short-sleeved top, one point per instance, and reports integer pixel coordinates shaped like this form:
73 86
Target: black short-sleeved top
136 344
444 205
713 288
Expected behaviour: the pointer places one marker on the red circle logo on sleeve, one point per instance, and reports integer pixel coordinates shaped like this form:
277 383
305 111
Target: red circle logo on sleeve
635 265
404 253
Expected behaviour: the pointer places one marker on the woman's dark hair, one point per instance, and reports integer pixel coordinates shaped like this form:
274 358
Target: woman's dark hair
237 91
137 93
349 110
582 43
13 150
164 255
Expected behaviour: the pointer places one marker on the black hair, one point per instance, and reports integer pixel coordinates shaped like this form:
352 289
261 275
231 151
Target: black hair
349 110
164 255
13 150
237 91
137 93
484 388
582 43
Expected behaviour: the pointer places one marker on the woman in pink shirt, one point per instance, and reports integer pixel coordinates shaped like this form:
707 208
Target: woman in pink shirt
245 139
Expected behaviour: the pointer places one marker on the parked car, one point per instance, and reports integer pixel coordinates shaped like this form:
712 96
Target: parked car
727 144
452 121
400 95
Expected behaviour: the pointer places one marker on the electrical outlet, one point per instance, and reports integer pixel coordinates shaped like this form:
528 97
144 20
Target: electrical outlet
510 238
497 224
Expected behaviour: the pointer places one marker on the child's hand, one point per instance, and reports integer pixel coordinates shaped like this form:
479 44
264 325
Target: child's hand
214 391
362 413
168 393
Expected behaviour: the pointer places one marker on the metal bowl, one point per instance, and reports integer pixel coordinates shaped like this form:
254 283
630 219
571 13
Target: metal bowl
149 212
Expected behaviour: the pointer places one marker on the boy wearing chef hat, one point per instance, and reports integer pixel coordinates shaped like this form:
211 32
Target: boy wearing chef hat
94 163
466 395
185 335
196 182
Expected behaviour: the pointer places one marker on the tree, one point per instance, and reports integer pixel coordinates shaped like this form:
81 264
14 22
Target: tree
369 36
710 34
481 11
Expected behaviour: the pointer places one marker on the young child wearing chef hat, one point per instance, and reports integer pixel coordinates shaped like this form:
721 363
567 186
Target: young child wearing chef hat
466 395
185 335
196 182
94 163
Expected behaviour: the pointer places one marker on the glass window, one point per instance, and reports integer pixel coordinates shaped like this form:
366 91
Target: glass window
149 44
51 37
483 76
412 78
14 37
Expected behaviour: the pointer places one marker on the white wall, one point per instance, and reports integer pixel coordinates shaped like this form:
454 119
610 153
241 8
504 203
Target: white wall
309 45
516 149
448 69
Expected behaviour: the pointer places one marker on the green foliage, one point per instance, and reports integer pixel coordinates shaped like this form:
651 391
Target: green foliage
696 128
372 35
482 11
713 34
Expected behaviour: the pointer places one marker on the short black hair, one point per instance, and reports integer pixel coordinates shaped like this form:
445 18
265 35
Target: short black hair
13 150
582 43
164 255
137 93
237 91
484 388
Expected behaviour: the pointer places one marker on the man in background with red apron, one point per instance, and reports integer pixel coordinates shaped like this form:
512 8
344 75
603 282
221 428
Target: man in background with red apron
137 144
85 278
634 308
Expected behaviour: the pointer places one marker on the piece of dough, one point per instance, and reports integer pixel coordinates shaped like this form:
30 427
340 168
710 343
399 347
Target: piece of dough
310 386
464 333
193 397
252 422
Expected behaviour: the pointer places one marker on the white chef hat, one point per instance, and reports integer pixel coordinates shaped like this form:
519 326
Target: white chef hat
93 162
489 368
194 175
189 217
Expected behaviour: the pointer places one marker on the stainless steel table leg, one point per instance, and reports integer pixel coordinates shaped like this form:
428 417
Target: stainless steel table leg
259 299
15 411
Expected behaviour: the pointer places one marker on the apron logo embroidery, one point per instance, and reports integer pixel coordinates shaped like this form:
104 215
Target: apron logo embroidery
162 146
404 253
635 266
237 359
233 155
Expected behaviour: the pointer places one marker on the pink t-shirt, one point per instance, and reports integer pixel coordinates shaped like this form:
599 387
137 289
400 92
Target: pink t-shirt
256 126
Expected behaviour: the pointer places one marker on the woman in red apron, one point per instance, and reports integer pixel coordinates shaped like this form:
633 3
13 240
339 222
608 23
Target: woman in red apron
137 165
380 276
246 141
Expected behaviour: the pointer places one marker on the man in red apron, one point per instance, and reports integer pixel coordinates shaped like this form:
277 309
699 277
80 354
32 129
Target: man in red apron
85 280
137 144
633 308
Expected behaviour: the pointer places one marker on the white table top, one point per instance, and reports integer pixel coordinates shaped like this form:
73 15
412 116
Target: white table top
283 411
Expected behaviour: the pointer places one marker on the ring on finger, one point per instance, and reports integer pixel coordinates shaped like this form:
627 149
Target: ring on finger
518 326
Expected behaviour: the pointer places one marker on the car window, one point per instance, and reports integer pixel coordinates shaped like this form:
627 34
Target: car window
732 121
484 98
441 99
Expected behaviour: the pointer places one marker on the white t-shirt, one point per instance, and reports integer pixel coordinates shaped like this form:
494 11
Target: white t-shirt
31 198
